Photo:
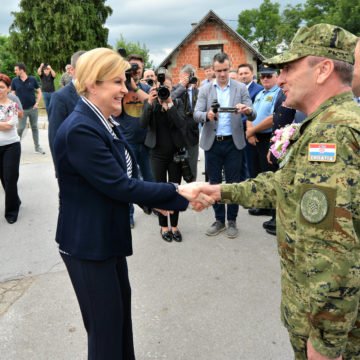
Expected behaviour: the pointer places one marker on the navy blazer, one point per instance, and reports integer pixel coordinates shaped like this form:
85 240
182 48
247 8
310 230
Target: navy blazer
62 104
254 89
95 190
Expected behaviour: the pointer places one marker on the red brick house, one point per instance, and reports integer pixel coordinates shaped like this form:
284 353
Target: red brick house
208 37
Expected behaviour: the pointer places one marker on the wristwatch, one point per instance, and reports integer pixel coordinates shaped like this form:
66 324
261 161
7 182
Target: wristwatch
170 105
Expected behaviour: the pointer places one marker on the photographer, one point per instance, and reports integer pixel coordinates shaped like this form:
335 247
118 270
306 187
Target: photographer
187 91
164 119
132 107
47 76
149 77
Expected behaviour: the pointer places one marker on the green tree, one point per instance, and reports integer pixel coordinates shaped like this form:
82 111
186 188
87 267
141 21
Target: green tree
265 27
135 48
344 13
7 58
51 31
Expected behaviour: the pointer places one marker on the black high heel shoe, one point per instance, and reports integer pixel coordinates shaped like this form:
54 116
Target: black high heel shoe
166 235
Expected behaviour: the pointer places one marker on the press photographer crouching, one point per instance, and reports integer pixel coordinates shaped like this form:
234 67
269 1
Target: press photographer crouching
165 121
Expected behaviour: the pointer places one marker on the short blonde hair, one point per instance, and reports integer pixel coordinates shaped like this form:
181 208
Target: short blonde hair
99 64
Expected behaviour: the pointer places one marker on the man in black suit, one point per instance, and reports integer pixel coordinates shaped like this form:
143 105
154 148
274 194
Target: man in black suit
62 103
246 76
187 91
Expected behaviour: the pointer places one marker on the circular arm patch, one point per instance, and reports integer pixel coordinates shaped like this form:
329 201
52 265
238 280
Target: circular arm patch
314 206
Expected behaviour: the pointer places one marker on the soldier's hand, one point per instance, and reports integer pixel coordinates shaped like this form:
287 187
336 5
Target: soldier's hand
312 354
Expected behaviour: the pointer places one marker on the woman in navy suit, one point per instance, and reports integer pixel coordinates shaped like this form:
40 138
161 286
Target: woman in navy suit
97 177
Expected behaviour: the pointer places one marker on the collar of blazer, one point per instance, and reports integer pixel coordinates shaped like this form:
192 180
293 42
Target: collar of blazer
96 122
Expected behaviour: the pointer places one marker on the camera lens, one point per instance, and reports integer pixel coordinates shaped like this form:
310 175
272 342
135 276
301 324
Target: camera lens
163 92
150 82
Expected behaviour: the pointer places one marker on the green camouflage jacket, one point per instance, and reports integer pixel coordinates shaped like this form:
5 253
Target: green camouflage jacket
318 225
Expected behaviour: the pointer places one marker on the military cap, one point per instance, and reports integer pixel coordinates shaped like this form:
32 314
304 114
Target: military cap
323 40
264 69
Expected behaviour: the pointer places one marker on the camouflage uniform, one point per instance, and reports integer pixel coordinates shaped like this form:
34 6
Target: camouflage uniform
318 230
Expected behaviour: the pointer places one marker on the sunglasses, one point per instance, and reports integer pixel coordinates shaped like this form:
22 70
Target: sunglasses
267 76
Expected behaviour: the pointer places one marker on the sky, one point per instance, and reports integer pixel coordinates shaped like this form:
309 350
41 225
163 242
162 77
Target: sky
160 26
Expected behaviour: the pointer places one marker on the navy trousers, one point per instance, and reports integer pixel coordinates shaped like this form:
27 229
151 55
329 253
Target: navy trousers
104 295
224 154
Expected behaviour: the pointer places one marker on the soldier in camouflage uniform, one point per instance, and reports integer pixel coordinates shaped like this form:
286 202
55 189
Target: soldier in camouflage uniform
317 197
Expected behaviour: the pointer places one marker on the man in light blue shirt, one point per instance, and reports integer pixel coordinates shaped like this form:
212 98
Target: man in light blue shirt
222 136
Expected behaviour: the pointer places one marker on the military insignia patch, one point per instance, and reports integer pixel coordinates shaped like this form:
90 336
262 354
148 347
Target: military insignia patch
314 206
322 152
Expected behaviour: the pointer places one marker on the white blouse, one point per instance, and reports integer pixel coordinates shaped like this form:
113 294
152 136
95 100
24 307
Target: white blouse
9 114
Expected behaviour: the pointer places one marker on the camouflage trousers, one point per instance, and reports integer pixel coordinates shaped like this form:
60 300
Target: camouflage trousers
298 344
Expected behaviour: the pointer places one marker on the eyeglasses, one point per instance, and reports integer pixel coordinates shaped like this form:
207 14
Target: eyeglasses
267 76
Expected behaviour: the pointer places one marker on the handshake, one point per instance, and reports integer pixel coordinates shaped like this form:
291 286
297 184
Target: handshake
201 195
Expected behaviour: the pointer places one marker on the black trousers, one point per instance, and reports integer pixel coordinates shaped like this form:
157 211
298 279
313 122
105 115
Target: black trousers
166 170
9 175
260 163
104 295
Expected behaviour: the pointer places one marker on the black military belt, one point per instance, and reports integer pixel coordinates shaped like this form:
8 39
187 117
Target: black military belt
223 138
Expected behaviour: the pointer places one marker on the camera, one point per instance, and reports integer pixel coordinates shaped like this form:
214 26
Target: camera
150 82
129 73
215 106
182 158
162 90
192 78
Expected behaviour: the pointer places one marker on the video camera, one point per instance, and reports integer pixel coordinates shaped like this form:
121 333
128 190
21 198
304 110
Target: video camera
216 108
182 158
162 90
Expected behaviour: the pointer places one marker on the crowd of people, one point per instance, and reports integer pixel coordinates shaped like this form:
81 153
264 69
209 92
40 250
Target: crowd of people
286 147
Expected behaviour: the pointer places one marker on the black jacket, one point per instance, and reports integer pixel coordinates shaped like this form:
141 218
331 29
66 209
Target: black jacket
150 119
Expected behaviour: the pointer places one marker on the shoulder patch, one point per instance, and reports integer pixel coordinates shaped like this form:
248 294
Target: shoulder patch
322 152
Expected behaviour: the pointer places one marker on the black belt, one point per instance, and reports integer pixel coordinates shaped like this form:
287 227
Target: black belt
223 138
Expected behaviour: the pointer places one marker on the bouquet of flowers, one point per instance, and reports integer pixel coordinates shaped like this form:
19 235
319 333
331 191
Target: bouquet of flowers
281 140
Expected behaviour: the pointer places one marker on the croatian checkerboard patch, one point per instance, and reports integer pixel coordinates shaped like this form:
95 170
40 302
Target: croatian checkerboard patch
322 152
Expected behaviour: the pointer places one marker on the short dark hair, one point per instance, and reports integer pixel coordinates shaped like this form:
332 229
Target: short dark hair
5 79
246 65
21 66
75 57
136 57
221 57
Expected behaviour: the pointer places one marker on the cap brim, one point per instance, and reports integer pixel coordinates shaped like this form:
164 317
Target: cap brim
285 57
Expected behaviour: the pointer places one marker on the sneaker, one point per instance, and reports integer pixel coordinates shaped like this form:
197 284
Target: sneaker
216 228
39 150
232 231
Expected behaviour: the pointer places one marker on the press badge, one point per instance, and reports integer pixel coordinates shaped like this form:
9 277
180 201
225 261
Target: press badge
322 152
